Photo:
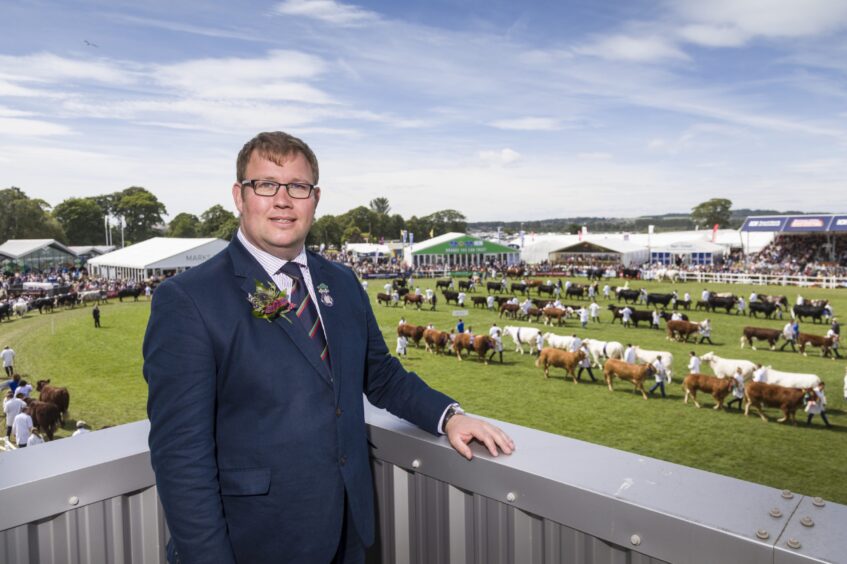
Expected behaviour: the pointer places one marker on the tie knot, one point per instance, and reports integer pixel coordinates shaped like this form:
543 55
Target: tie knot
292 269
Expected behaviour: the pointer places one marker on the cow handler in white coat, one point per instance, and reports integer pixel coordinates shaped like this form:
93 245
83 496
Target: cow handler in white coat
661 375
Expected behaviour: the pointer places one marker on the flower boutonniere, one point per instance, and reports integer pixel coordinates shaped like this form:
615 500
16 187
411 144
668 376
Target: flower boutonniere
269 302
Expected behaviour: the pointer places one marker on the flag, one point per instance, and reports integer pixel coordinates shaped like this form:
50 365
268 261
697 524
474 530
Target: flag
714 233
411 238
650 229
432 233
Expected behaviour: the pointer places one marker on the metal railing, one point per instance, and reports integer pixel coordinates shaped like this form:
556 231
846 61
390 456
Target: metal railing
92 499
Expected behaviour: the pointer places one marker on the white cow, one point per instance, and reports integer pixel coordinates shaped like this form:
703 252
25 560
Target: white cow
20 307
91 296
603 349
558 341
726 367
791 379
522 336
649 357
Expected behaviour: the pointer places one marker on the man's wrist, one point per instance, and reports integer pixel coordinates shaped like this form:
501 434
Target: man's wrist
451 411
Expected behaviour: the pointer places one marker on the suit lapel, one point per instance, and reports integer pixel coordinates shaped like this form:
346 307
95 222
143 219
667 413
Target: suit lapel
331 316
246 267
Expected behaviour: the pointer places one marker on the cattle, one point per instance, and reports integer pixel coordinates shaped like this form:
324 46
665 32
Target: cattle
522 336
509 310
727 367
551 313
761 334
634 373
446 284
402 292
683 303
558 341
718 387
659 299
481 344
790 379
129 293
824 343
534 283
479 301
721 302
519 287
398 283
637 315
817 303
57 395
450 296
594 273
535 313
630 273
668 274
95 296
69 299
5 311
44 303
380 297
701 304
667 316
765 308
576 290
788 400
779 301
817 313
649 357
549 289
628 296
45 416
680 330
21 307
603 349
550 356
436 341
496 286
412 332
466 285
418 300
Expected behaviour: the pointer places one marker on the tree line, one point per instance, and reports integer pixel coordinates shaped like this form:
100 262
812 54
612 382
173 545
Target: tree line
82 221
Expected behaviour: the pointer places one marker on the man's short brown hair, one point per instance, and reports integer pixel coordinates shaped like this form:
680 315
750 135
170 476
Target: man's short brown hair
275 146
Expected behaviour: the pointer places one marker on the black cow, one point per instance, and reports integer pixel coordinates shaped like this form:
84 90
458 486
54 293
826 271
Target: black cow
766 308
129 293
577 291
657 299
594 273
398 283
667 316
519 288
628 295
630 273
43 303
815 312
637 315
451 296
722 302
548 289
496 286
443 284
5 311
466 285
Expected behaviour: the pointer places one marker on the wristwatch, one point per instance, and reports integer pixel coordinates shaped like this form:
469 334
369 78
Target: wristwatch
454 409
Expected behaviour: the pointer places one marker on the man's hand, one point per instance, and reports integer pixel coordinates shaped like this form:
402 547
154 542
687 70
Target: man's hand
461 429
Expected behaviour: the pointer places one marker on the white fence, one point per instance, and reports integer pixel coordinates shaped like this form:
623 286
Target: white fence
764 279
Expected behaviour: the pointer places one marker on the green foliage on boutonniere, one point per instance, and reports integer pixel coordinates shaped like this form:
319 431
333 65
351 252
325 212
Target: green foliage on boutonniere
269 302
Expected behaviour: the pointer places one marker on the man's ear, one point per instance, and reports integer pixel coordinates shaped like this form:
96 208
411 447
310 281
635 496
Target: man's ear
237 195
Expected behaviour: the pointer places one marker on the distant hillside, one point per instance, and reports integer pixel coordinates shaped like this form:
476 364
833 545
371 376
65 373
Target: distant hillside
664 222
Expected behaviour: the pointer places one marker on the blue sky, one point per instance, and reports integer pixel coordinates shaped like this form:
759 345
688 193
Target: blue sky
503 110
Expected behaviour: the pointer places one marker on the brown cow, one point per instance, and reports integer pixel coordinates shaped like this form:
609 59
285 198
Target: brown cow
635 373
718 387
534 312
551 313
413 332
677 329
380 297
510 310
762 334
825 343
45 416
481 344
414 299
550 356
56 395
788 400
436 340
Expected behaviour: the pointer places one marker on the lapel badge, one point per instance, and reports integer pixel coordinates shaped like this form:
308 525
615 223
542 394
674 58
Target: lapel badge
326 299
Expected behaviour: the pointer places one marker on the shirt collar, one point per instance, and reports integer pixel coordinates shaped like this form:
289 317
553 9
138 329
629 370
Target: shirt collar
270 263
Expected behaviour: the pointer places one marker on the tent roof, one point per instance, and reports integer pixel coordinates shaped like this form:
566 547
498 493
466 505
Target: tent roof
601 244
151 251
683 247
368 248
16 248
86 249
459 243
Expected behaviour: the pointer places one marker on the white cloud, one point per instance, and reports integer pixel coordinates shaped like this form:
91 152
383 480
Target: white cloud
327 11
527 124
714 35
502 157
15 127
634 48
768 18
50 68
597 156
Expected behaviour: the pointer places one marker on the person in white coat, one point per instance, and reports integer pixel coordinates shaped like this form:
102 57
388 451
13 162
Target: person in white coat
35 438
489 302
629 354
626 316
21 427
585 364
12 406
656 318
661 376
607 290
594 310
402 342
737 389
583 317
539 343
759 373
693 363
817 405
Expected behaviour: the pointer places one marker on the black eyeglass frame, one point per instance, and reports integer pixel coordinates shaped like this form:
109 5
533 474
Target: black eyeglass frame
288 187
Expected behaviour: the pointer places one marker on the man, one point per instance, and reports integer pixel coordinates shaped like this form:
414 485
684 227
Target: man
81 429
661 375
629 354
626 316
594 309
655 319
12 406
8 356
759 373
788 335
737 390
21 427
460 326
693 363
705 332
741 306
95 313
267 340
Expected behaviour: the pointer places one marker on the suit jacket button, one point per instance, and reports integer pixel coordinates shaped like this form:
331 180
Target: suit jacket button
343 460
338 412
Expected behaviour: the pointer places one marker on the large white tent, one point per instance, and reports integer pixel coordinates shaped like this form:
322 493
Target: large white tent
157 256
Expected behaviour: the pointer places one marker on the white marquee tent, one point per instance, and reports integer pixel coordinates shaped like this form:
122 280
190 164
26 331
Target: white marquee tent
156 256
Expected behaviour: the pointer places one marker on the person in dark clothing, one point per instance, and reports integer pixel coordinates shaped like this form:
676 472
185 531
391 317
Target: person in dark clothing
95 313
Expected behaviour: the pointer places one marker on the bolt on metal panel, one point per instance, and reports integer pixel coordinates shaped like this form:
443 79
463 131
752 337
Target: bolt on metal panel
815 532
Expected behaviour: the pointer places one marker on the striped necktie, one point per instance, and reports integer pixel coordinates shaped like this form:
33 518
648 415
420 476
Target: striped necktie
306 312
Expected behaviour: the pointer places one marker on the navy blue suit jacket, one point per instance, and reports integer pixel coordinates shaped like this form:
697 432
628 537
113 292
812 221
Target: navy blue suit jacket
254 443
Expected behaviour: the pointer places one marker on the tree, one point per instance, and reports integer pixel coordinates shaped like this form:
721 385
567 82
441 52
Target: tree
184 225
352 234
218 222
82 221
142 213
26 218
326 230
711 212
380 206
445 221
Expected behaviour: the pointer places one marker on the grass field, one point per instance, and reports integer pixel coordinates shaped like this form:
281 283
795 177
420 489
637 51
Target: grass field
103 370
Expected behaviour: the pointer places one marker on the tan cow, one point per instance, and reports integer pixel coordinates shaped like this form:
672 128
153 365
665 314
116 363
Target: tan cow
436 341
412 332
481 344
550 356
679 329
788 400
825 343
551 313
635 373
718 387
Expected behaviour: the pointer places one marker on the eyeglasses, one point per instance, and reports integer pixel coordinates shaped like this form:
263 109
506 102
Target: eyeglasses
269 188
